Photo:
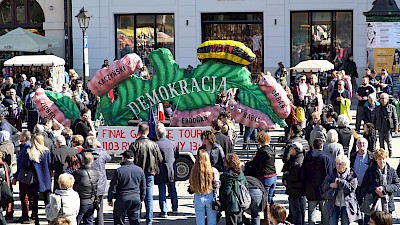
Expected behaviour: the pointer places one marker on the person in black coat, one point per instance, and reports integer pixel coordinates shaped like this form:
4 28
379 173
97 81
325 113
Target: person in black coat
263 165
222 139
166 176
128 187
58 157
350 67
292 179
338 95
345 133
295 136
316 166
86 179
213 149
258 199
375 184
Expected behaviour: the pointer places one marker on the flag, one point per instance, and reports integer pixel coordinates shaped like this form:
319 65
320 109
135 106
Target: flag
161 116
152 124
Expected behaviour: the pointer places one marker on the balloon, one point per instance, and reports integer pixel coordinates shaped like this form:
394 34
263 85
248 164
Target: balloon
107 78
195 118
47 108
226 50
276 95
250 117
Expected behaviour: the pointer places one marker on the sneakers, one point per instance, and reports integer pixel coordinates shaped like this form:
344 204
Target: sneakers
175 212
163 215
24 220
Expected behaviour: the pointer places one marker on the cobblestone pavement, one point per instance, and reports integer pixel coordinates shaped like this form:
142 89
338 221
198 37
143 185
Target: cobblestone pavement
186 213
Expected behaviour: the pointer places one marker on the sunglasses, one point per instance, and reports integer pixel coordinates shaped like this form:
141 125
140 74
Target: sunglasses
302 79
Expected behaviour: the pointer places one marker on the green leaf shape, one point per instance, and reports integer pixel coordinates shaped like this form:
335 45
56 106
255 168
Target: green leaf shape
65 104
168 72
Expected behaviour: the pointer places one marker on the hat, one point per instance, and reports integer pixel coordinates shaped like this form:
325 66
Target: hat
65 85
297 146
127 154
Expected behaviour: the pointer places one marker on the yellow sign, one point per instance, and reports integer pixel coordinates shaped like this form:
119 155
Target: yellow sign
386 58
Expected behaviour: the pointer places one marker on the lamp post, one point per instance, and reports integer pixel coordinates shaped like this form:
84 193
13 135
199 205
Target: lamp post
83 20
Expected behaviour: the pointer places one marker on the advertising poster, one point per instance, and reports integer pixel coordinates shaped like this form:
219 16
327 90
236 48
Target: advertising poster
383 46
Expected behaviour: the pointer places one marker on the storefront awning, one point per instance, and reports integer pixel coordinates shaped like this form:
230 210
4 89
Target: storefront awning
35 60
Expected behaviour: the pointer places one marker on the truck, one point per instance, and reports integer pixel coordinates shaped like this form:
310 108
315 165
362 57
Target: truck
117 139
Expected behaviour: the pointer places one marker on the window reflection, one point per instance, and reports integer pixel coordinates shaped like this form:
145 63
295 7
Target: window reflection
5 13
20 11
35 12
243 27
321 35
300 37
144 33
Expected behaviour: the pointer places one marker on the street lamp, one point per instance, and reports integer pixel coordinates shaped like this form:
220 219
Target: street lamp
83 20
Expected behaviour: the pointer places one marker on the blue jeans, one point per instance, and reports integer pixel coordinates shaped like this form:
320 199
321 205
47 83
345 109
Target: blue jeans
269 185
256 198
312 206
163 196
334 217
249 133
203 206
127 206
297 207
148 200
85 214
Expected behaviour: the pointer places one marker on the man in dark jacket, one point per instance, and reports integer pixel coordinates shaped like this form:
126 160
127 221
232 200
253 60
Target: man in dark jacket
128 187
369 108
359 162
86 179
292 179
350 67
295 136
316 166
385 122
58 158
338 95
166 177
101 157
222 139
147 156
362 95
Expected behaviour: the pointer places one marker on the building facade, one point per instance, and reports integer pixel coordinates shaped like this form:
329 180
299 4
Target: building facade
285 31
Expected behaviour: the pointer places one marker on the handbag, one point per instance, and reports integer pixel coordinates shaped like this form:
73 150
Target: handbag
369 204
216 204
25 176
330 194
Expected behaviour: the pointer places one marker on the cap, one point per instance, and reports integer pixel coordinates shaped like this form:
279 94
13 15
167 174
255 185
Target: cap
297 146
65 85
127 154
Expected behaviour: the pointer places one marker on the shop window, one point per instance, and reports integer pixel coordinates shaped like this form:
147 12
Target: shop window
244 27
321 35
143 33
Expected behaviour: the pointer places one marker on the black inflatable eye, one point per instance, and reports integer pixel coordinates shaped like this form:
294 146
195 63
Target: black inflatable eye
232 106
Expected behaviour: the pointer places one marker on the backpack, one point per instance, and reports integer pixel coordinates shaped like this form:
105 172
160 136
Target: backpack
30 104
300 114
244 198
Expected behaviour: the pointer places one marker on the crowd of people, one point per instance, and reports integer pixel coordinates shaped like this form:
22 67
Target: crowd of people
327 164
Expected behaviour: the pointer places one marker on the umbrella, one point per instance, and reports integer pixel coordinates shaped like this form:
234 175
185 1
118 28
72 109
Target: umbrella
35 60
313 66
25 41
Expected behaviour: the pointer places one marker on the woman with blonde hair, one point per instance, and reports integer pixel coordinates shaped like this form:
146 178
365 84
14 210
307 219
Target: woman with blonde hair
65 201
230 188
202 181
39 156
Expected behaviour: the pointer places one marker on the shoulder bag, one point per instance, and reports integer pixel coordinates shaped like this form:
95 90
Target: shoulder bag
369 204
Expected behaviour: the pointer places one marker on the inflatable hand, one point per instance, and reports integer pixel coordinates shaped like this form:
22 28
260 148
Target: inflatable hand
250 117
276 95
106 79
47 108
197 117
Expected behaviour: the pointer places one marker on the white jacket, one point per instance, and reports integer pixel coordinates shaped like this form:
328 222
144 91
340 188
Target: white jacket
63 203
